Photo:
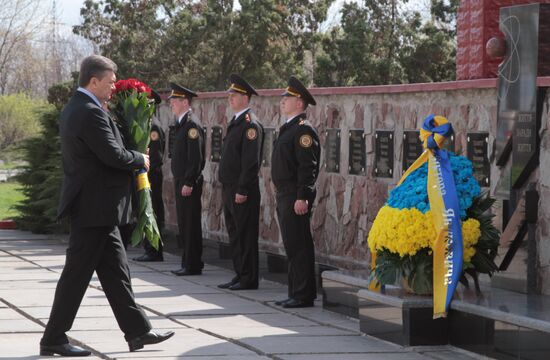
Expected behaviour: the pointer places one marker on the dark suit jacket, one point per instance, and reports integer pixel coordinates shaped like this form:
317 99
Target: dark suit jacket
98 169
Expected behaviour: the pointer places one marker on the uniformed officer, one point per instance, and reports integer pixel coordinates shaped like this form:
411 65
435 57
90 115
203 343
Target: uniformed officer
187 151
156 154
294 170
238 173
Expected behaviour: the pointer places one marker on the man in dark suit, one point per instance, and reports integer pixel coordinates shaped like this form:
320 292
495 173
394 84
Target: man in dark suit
188 147
156 178
96 198
238 173
294 170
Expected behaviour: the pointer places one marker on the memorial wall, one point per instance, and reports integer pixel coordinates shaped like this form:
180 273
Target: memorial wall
368 137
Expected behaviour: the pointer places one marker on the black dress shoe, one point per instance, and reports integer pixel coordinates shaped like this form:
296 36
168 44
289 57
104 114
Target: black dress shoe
149 338
239 286
63 350
148 257
229 284
293 303
281 302
185 272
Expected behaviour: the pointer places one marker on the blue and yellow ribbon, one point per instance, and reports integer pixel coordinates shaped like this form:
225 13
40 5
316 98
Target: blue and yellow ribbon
447 250
142 181
445 210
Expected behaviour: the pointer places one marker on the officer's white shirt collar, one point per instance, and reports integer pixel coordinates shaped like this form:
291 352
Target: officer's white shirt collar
241 112
90 94
182 115
292 118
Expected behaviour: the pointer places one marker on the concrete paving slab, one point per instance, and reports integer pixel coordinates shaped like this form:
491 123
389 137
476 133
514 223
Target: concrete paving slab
186 342
212 278
185 288
44 297
28 284
153 278
23 325
455 354
25 347
18 235
38 275
109 323
375 356
318 345
325 317
276 319
264 295
85 311
7 313
239 332
205 304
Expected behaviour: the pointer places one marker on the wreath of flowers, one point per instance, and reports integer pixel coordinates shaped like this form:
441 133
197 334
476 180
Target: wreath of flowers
403 234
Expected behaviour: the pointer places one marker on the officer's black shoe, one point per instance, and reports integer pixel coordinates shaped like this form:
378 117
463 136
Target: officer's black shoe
281 302
148 257
63 350
149 338
229 284
239 286
293 303
186 272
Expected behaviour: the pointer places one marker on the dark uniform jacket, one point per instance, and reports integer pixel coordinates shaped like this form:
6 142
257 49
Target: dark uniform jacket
242 153
156 147
188 150
296 157
97 184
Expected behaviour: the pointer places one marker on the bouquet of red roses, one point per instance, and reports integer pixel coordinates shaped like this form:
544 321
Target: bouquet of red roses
133 107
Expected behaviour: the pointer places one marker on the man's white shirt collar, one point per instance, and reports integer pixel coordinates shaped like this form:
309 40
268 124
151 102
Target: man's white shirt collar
181 117
292 118
241 112
90 94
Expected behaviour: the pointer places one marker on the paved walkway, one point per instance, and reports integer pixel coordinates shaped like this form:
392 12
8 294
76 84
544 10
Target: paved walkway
209 323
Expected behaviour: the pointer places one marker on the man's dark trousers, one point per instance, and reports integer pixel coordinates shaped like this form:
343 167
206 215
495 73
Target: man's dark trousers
99 249
298 242
242 223
188 210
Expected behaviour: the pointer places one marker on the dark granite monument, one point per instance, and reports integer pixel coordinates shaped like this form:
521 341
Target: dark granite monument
357 152
216 145
332 150
383 148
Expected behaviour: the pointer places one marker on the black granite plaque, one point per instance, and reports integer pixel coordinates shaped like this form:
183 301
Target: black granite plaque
383 160
412 147
477 148
524 147
332 150
269 138
216 144
357 152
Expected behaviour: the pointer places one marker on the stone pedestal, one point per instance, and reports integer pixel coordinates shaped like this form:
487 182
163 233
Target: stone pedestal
398 317
340 291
